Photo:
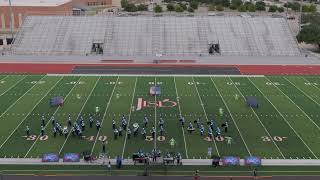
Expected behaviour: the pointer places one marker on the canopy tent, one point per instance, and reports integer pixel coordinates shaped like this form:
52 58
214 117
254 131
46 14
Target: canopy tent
252 102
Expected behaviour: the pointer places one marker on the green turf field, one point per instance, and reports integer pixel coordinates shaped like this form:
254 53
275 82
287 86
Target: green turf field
286 125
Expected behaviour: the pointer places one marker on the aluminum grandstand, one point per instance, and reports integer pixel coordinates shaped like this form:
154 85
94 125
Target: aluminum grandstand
150 36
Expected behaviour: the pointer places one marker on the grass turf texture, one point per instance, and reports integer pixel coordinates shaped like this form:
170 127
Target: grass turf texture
285 126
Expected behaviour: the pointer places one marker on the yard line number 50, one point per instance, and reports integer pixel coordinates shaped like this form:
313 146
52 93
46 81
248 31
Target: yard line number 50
275 138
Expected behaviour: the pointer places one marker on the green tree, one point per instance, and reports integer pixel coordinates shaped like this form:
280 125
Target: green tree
313 18
310 34
273 8
184 6
157 9
251 7
305 8
260 6
124 3
295 6
211 7
313 8
219 8
142 7
280 9
242 8
194 4
131 8
178 8
226 3
190 9
170 7
216 2
236 3
287 5
233 7
309 8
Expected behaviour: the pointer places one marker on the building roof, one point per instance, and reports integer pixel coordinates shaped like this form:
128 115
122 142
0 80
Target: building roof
38 3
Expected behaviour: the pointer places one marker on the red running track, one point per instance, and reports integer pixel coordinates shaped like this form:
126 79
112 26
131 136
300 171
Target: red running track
244 69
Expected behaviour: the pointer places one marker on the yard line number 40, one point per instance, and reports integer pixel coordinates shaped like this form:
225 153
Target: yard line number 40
275 138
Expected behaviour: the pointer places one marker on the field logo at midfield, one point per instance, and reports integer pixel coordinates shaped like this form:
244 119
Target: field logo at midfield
166 103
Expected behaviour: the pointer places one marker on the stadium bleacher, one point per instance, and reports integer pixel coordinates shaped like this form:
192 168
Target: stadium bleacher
155 36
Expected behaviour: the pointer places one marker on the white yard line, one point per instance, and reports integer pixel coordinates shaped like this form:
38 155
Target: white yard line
157 75
28 112
294 103
12 85
260 121
84 104
284 119
48 122
178 101
225 104
302 91
105 112
6 76
19 98
129 118
311 83
155 116
205 113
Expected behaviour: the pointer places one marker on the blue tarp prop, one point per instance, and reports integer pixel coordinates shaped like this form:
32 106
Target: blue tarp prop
56 101
252 102
155 90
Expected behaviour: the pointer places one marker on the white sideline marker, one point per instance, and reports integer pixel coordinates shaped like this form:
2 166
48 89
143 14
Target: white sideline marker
158 75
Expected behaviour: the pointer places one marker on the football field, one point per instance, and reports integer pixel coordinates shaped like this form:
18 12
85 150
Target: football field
285 126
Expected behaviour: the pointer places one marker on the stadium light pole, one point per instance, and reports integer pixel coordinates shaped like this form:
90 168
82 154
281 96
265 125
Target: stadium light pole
11 19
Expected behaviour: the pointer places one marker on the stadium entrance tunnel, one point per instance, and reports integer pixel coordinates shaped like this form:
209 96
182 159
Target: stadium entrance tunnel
156 70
